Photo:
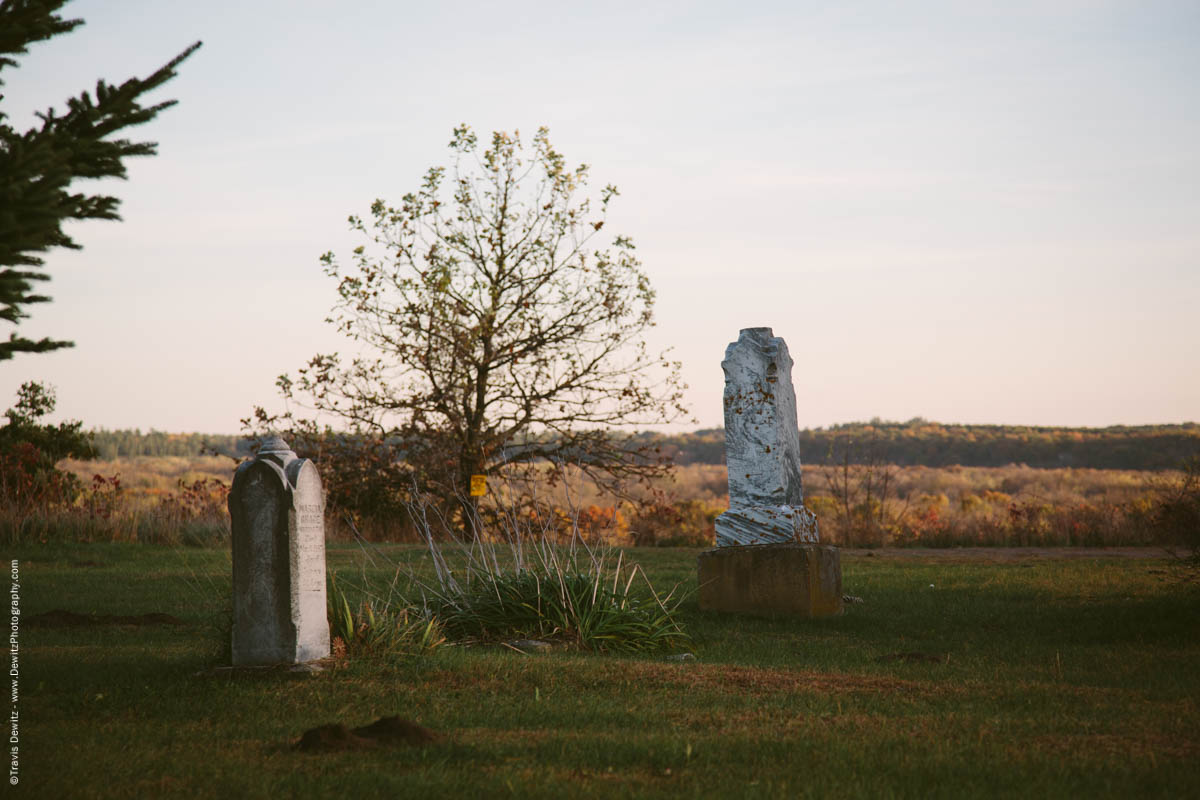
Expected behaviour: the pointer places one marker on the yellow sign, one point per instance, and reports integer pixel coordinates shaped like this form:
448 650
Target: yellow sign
478 485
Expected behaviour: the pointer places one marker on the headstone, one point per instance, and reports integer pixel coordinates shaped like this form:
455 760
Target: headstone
767 559
277 510
762 446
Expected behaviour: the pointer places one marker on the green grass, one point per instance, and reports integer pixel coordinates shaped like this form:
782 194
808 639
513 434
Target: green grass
1048 679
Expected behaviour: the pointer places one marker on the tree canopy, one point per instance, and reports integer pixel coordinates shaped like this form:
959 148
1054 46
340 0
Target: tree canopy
38 166
494 321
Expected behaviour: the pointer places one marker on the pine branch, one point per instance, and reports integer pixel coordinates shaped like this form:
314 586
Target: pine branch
38 166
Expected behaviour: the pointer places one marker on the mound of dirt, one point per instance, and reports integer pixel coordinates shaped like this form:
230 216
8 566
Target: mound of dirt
385 731
331 738
59 618
394 730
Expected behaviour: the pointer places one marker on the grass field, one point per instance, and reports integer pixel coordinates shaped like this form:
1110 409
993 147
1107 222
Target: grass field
964 678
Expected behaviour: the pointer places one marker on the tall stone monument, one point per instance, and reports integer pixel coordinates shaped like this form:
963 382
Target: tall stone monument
277 510
768 557
762 446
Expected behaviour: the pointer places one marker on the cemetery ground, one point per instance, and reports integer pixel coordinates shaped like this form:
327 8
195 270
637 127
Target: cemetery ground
971 676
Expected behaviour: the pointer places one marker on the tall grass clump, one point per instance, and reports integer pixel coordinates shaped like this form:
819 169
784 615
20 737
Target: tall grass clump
378 626
579 600
517 577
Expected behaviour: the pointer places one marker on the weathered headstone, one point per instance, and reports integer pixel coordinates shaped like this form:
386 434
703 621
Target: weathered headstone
277 510
768 559
762 446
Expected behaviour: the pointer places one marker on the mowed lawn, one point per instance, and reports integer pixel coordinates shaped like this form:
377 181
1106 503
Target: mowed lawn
1027 678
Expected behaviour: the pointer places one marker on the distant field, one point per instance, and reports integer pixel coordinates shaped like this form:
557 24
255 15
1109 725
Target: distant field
857 505
1035 677
142 473
708 482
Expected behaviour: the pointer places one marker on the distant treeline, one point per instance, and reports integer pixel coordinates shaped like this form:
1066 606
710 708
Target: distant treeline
117 444
919 442
916 442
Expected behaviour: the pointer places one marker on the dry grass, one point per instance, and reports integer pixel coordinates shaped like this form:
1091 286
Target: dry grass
922 506
150 473
1014 505
957 484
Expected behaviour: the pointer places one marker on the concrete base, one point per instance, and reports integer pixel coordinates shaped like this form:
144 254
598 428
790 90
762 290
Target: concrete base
796 579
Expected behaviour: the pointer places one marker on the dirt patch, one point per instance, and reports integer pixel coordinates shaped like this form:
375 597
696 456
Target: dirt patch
270 671
912 658
522 736
1000 555
721 677
1146 747
383 732
59 618
1178 572
466 679
622 677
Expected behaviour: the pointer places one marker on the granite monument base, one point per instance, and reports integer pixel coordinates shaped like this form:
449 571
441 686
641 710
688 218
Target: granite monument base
795 579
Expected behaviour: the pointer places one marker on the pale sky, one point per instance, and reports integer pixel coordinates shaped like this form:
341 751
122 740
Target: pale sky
966 211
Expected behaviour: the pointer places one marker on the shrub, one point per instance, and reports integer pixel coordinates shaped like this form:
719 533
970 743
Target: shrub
379 627
196 515
1176 517
29 481
664 521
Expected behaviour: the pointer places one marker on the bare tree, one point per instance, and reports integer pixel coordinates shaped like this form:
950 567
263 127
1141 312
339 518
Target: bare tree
862 484
496 323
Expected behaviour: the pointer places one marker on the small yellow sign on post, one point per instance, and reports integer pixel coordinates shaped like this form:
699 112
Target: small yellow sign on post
478 485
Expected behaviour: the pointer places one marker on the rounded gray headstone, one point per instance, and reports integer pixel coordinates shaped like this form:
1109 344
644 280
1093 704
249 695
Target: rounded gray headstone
274 444
276 507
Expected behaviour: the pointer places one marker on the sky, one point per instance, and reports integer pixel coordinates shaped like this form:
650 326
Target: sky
971 212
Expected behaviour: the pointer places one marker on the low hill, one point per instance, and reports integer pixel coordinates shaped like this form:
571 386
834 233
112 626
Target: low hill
933 444
916 442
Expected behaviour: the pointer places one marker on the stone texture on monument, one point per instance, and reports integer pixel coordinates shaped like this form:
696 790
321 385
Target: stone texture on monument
767 559
277 506
797 579
762 446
